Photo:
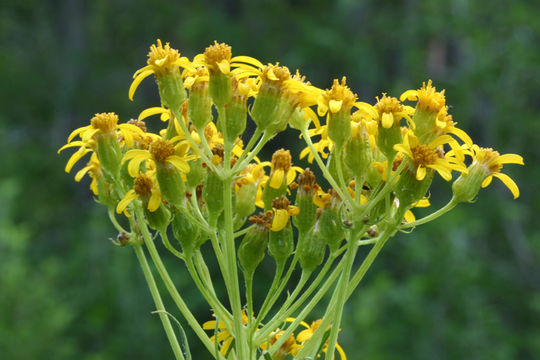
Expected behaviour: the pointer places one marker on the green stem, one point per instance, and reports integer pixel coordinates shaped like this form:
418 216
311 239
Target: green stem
169 246
219 309
193 323
115 223
341 297
270 294
159 303
321 164
446 208
282 315
241 165
192 142
339 167
248 147
233 285
307 309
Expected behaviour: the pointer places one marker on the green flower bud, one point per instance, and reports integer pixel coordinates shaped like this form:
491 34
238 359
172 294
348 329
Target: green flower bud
306 189
171 89
200 104
409 190
189 235
245 200
158 219
269 99
173 189
109 154
196 174
387 139
252 249
281 244
467 186
312 250
106 194
217 58
331 228
213 196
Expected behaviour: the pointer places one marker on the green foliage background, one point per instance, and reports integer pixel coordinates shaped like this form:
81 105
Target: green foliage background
464 287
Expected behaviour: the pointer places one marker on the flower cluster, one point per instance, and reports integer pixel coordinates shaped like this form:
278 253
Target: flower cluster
200 179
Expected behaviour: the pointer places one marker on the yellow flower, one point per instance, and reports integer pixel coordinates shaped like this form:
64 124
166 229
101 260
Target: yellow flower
160 151
290 346
304 335
390 112
100 123
162 60
320 146
491 162
282 210
428 98
445 125
93 169
338 98
224 336
282 171
145 187
431 156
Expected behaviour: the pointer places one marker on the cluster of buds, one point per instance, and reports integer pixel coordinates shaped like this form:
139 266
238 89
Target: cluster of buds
200 178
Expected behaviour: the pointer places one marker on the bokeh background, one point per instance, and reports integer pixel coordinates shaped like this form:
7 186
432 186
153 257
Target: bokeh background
464 287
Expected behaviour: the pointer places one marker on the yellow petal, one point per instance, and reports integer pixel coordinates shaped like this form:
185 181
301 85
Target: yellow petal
367 108
510 159
71 144
341 353
276 180
310 114
462 135
76 157
247 60
140 77
135 153
335 105
409 216
420 173
487 181
224 66
78 131
135 163
411 95
147 67
123 204
81 173
179 163
280 219
510 184
152 111
155 200
387 120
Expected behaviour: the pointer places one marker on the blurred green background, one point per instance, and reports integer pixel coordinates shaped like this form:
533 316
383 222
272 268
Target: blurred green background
464 287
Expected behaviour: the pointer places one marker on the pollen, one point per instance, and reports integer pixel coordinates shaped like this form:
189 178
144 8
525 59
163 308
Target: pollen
106 122
215 54
429 99
161 150
282 160
162 58
424 155
143 186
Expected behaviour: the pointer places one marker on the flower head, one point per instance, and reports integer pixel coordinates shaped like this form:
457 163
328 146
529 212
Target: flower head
429 99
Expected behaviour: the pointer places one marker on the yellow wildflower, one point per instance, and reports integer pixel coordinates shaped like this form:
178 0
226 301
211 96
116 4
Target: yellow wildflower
428 98
145 187
430 156
162 60
224 336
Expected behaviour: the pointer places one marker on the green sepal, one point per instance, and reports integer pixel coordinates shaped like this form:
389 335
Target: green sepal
409 190
220 89
213 196
311 250
331 229
171 89
172 187
307 216
109 155
339 128
252 249
235 120
188 234
281 244
386 140
245 200
158 219
199 106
